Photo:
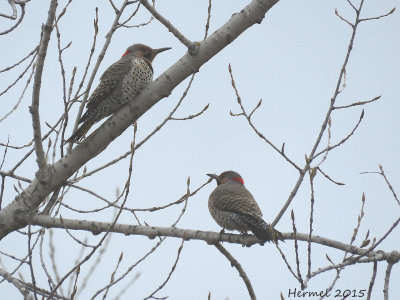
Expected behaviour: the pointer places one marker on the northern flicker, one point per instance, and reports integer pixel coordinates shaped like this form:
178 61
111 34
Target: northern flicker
233 207
119 84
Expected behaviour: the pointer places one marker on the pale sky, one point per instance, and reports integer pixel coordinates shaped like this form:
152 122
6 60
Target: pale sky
292 61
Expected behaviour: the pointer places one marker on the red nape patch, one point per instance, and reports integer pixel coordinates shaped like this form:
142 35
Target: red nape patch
238 179
127 51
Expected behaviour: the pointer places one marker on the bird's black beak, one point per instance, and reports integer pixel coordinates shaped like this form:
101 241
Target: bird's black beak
159 50
213 176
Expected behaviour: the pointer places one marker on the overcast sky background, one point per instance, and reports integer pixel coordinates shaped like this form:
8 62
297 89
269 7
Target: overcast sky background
292 61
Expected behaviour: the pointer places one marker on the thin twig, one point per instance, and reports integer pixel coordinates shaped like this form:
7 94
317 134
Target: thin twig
31 262
34 51
327 147
389 185
128 285
37 82
238 267
75 287
167 24
387 280
170 273
129 269
372 282
94 266
127 189
239 100
21 285
329 178
18 22
192 116
21 96
113 274
379 17
312 174
358 103
14 11
22 261
286 262
42 260
113 6
123 24
208 20
20 75
324 124
352 5
186 197
296 249
343 19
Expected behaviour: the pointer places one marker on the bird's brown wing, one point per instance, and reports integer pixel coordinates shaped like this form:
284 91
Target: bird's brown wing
109 81
235 198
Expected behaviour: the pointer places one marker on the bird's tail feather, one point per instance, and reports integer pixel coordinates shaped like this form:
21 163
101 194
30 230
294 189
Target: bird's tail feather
261 229
80 132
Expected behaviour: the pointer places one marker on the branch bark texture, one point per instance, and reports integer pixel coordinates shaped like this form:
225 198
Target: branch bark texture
17 214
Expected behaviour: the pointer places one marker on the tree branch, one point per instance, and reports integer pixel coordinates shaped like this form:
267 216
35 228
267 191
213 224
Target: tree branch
37 83
238 267
207 236
167 24
15 215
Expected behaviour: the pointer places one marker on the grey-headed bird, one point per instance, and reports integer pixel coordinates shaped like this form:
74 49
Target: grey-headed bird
233 207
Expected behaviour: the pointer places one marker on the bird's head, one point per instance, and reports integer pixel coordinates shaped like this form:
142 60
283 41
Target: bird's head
140 50
227 176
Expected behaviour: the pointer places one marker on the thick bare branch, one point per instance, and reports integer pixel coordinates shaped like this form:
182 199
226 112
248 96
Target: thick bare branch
207 236
59 172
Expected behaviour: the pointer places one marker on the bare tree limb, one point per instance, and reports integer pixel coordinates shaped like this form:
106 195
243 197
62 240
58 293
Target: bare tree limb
325 122
389 185
129 269
168 24
296 250
244 113
207 236
169 274
26 287
379 17
372 282
14 16
358 103
60 171
238 266
387 280
312 174
37 83
14 11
